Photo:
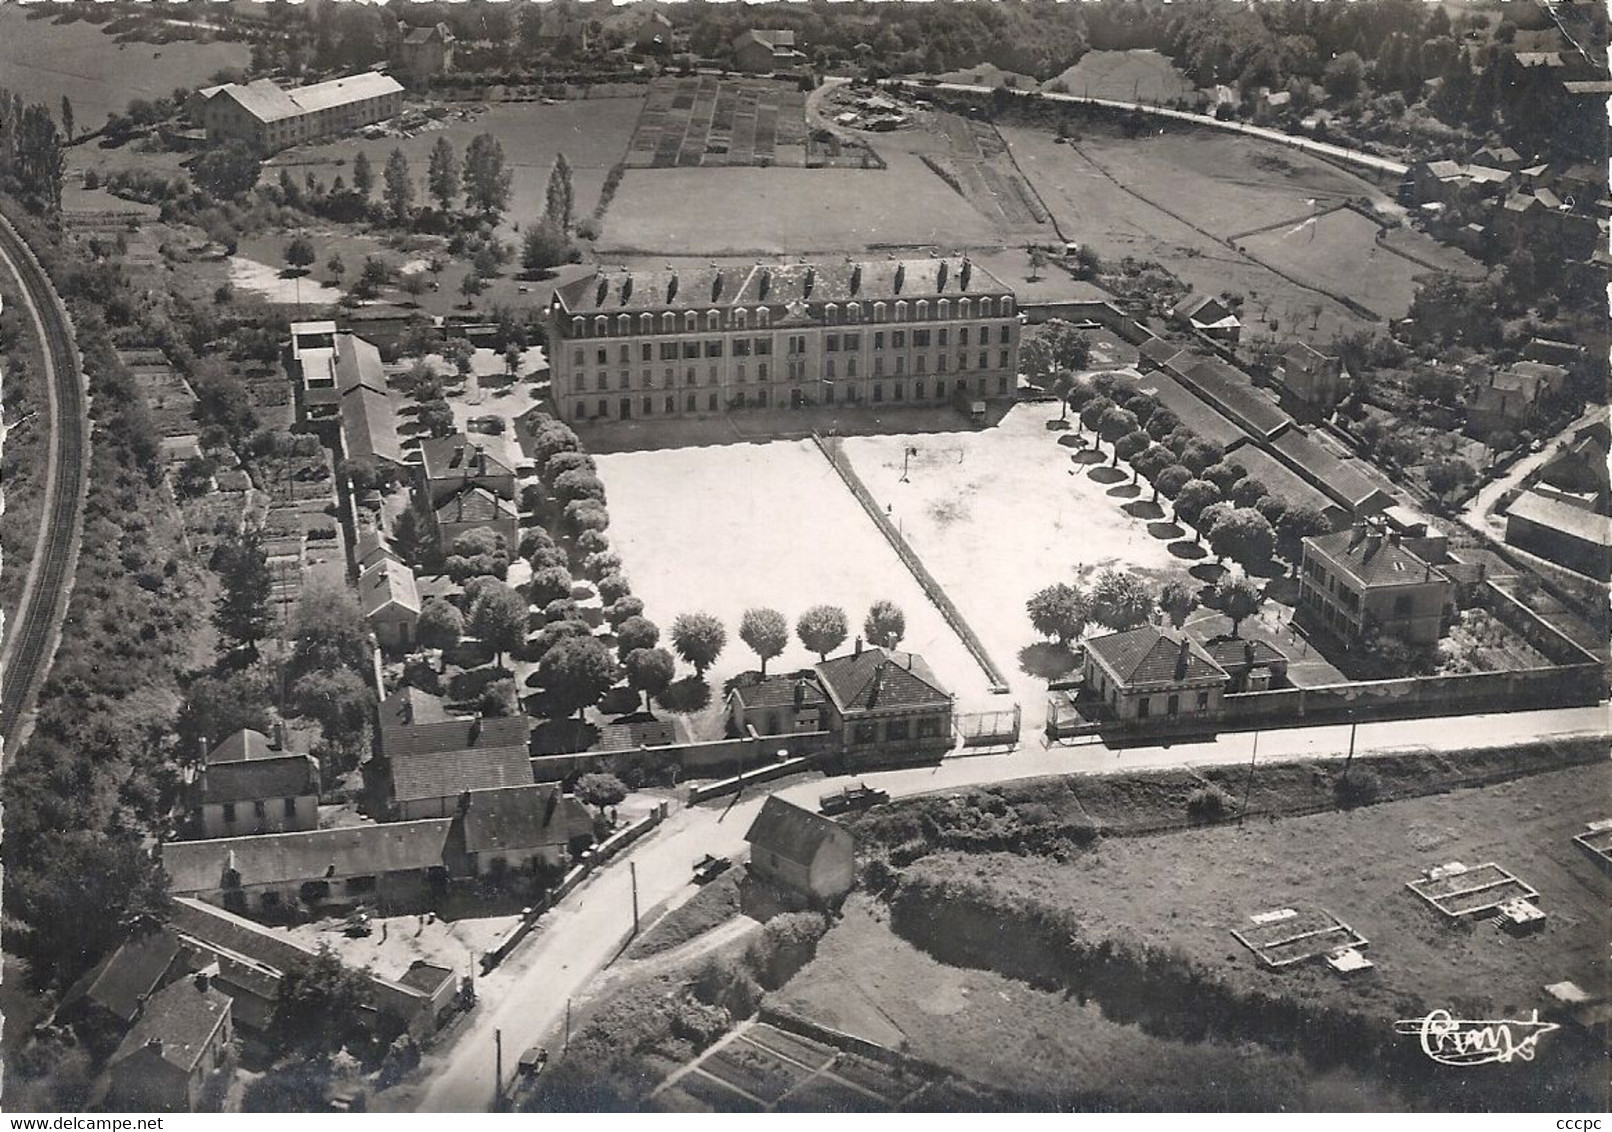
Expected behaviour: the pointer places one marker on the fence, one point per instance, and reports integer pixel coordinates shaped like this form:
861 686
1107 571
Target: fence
988 728
607 849
740 781
688 759
952 615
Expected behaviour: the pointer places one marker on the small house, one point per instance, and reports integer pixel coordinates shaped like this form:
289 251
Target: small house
390 603
885 705
777 705
1153 675
516 829
761 51
177 1042
433 765
805 853
1209 316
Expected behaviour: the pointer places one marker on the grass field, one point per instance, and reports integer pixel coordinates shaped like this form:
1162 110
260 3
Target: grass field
1337 251
1187 890
1043 1046
1131 76
42 61
998 514
724 528
789 211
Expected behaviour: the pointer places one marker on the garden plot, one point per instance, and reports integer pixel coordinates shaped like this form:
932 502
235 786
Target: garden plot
1286 936
997 515
705 120
725 528
1596 840
1458 891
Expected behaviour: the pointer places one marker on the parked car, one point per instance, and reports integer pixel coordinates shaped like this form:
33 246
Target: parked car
358 925
858 797
708 868
533 1061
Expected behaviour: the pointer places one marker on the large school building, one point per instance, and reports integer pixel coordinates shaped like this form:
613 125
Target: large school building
682 342
268 118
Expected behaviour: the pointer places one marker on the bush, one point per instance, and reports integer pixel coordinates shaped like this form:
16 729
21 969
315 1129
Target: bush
1209 803
1359 787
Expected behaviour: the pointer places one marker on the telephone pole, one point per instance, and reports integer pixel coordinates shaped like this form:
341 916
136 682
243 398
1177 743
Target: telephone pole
632 867
498 1070
1248 783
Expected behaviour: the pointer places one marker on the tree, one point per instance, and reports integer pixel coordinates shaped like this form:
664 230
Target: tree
624 607
1130 446
242 613
578 483
822 629
602 790
1062 385
576 672
544 247
1247 492
1162 423
1120 601
560 200
486 178
649 672
1115 423
1296 525
328 631
336 267
363 176
1194 496
1244 536
614 590
226 172
1344 76
299 253
437 417
1177 600
1060 611
441 625
498 618
340 700
1038 262
1224 475
1239 599
567 460
699 639
885 624
766 633
413 284
1091 413
1449 476
398 192
1200 455
442 174
216 706
636 633
319 1002
67 118
1171 480
498 699
472 285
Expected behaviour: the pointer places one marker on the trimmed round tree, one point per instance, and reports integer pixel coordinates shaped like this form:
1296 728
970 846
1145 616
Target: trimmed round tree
1162 423
561 609
1224 475
576 673
1060 611
548 558
533 539
549 584
440 626
699 639
1273 507
1115 423
1179 438
1211 517
1194 496
1296 525
600 563
1171 480
1130 446
885 624
1244 536
822 629
566 461
1143 405
1091 413
1239 599
498 618
1200 455
586 515
649 672
1248 491
1178 600
765 632
623 607
1120 600
552 634
636 633
613 587
601 790
578 483
551 438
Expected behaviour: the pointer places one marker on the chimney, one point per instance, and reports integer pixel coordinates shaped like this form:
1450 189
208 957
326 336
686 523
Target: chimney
1393 538
1248 652
475 729
1181 659
155 1046
901 276
800 692
964 275
201 742
464 802
408 709
940 275
1357 532
858 651
478 460
810 281
856 279
277 737
458 456
876 686
765 284
909 662
602 291
205 976
626 290
671 288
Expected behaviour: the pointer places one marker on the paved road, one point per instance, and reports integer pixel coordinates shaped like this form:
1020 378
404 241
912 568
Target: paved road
31 639
1309 145
526 999
1479 514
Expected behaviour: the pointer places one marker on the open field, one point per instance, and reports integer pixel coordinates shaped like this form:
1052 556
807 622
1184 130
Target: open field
1337 251
1130 76
789 211
1187 890
705 120
592 134
1216 186
1047 1047
42 61
725 528
998 514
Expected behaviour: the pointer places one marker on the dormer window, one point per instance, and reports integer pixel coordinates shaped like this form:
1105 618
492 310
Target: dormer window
878 312
578 328
831 313
985 308
713 320
964 308
691 322
1007 305
764 316
853 312
601 326
901 310
668 323
943 309
739 318
624 324
923 310
646 324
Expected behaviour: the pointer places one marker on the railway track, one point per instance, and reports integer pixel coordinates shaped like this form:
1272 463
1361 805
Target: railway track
31 639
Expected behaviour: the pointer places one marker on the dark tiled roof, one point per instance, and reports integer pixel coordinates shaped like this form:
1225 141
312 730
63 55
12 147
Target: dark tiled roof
1151 655
474 505
634 733
184 1017
878 678
236 934
780 691
427 977
369 425
246 744
1577 522
446 457
409 706
1371 559
1230 391
280 858
121 981
1159 350
1192 410
794 833
447 774
286 776
450 734
1231 653
1340 479
522 817
387 582
779 284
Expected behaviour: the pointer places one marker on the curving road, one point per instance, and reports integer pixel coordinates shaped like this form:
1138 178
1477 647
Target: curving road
31 641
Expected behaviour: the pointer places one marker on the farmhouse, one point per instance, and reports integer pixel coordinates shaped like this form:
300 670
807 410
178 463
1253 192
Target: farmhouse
1562 530
690 342
514 829
803 852
432 765
1153 674
1367 579
1209 316
1514 397
1311 376
390 603
112 992
271 794
777 705
762 51
165 1059
424 53
268 118
884 705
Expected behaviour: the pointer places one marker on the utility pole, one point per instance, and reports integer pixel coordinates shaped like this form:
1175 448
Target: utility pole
498 1070
632 867
567 1046
1349 758
1248 783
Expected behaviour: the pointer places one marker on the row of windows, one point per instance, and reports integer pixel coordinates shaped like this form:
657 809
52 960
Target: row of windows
1172 705
260 809
795 369
625 407
739 318
794 344
896 730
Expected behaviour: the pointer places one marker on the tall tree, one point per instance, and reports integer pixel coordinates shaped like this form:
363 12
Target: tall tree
363 176
1177 600
441 625
1239 599
766 633
340 700
1244 536
242 613
67 118
319 1002
300 254
1060 611
399 189
1120 600
649 672
885 624
498 618
699 639
227 171
576 673
487 177
601 790
328 631
560 200
822 629
442 174
636 633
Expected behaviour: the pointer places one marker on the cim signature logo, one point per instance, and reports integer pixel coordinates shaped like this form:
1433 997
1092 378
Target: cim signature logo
1466 1041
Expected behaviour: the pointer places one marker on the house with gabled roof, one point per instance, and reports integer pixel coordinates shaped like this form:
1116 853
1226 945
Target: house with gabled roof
1370 580
1209 316
1152 675
431 765
1232 393
464 487
425 52
884 705
781 704
1311 376
390 603
177 1042
516 829
269 118
275 793
1560 528
805 853
112 993
762 50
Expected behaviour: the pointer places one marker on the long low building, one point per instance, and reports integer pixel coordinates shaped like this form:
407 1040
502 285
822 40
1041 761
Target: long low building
268 117
1567 534
683 342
